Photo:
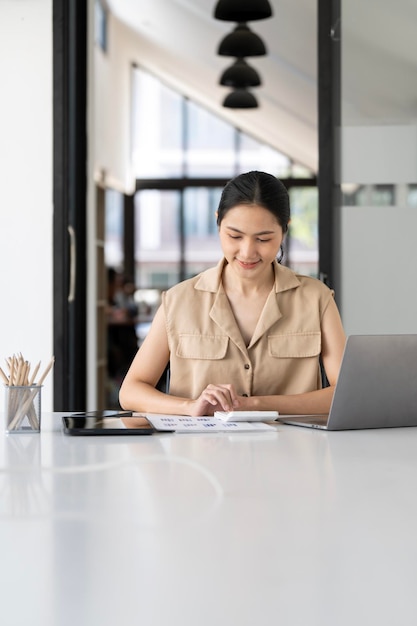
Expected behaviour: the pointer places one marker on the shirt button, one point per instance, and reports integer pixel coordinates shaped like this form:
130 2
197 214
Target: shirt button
247 366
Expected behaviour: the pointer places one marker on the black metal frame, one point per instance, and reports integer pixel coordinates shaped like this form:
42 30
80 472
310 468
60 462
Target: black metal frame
329 69
69 197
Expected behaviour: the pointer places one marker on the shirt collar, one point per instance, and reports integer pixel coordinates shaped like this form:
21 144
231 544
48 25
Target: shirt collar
210 279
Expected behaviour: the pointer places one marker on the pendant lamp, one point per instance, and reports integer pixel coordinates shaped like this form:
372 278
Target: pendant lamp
241 42
240 74
240 99
242 10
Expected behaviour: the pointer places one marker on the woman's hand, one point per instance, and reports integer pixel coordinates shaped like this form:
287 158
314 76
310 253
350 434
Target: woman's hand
215 398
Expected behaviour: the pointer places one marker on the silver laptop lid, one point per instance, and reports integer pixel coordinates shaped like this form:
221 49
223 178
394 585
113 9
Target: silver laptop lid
377 385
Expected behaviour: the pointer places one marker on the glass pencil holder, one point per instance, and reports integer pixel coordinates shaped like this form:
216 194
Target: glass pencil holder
23 408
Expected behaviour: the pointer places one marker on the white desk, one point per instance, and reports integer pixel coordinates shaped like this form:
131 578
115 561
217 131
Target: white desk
295 527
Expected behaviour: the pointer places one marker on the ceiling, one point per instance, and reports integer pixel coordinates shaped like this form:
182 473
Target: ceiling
380 71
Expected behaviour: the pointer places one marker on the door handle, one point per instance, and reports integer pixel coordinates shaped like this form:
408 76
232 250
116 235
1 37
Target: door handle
73 264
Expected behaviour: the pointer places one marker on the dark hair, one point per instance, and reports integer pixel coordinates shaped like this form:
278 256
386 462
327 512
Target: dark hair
258 188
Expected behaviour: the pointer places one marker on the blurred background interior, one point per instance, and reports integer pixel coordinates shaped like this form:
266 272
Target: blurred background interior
117 141
185 144
183 153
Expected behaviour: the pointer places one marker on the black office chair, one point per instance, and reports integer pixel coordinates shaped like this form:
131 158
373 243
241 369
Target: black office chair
163 382
324 381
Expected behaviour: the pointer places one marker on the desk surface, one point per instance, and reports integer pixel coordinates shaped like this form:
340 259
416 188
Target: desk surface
295 527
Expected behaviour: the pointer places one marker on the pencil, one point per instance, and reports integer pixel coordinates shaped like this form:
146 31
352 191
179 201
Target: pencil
4 377
46 372
35 371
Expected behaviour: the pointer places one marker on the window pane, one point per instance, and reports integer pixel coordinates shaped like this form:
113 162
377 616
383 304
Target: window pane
113 247
299 171
210 144
383 195
157 239
254 155
303 241
368 195
202 249
100 25
157 128
353 195
412 195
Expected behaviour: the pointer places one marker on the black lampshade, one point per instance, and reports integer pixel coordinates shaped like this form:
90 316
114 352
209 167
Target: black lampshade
242 42
240 74
240 99
242 10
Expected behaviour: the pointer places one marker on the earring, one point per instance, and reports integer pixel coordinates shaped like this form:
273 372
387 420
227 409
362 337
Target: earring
281 254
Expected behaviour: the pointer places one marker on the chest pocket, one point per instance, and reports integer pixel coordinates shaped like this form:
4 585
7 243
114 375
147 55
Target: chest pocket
210 347
295 345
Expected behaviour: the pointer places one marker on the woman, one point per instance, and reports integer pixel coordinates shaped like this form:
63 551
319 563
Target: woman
247 334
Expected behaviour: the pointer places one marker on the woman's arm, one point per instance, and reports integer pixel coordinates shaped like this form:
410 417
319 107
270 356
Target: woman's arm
313 402
138 392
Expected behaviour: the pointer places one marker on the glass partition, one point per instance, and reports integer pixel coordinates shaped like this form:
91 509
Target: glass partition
378 101
377 219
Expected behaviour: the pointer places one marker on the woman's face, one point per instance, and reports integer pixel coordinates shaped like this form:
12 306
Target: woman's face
250 237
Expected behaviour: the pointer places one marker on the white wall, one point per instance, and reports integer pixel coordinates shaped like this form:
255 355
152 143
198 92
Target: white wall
26 184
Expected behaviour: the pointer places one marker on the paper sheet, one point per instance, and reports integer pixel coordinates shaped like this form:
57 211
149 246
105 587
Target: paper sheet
185 424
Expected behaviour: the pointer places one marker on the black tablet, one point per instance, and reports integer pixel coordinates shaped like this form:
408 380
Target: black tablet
106 423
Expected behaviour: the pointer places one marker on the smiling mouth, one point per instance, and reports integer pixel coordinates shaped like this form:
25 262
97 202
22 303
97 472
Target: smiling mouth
247 265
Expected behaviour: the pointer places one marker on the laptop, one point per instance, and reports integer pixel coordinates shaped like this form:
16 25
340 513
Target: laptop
376 388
